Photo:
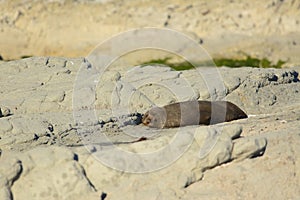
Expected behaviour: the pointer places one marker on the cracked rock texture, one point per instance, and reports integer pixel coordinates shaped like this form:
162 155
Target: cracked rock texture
51 149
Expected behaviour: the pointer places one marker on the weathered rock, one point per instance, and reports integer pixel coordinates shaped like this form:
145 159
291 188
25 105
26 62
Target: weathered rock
48 173
10 171
224 147
248 147
4 112
200 161
5 125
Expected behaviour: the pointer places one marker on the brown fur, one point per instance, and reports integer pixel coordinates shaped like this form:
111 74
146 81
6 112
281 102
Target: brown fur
192 113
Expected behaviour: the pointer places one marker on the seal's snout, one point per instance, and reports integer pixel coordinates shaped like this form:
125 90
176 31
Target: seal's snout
155 117
146 119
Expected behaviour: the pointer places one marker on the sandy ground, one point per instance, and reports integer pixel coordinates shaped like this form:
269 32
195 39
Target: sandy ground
71 130
225 28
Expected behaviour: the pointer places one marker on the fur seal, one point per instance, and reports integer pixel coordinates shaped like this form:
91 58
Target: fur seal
192 113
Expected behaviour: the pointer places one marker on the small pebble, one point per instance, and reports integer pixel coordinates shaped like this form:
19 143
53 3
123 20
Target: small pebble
4 111
50 128
103 196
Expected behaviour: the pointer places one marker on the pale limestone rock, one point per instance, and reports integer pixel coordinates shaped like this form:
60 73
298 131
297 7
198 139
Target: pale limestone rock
248 147
56 96
27 130
10 171
51 173
224 147
4 111
5 125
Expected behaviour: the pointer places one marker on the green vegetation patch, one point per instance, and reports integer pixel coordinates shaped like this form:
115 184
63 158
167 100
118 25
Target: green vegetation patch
166 61
248 61
234 63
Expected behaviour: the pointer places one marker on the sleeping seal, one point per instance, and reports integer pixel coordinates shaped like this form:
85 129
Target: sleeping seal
192 113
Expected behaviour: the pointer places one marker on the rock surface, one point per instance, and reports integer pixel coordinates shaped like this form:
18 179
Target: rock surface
47 152
4 112
45 173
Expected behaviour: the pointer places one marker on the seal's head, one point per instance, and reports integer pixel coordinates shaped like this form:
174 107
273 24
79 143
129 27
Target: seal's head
155 117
